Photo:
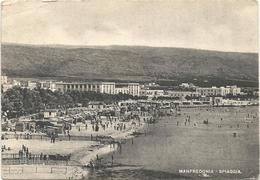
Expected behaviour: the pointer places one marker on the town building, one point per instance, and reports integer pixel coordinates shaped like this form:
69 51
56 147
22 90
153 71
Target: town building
31 85
256 93
99 87
234 90
5 87
107 87
221 91
4 79
8 83
50 113
96 105
123 89
50 85
181 94
150 93
187 85
134 89
16 83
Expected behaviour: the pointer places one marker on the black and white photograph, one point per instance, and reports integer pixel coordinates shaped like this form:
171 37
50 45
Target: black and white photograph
129 89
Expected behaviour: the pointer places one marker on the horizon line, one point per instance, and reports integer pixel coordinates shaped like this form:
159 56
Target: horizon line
81 45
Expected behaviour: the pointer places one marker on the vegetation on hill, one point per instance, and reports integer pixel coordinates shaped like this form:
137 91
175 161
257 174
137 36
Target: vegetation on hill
131 63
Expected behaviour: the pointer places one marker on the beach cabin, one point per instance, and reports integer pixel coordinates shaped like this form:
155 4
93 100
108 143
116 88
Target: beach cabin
50 113
96 105
25 125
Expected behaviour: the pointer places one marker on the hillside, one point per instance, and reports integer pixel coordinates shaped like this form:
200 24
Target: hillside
129 63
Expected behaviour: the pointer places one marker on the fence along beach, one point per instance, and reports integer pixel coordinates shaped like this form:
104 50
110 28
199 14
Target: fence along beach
78 149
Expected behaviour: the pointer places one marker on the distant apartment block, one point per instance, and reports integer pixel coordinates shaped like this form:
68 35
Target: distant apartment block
101 87
187 85
234 90
4 79
7 83
181 94
221 91
107 87
31 85
152 92
50 85
121 88
134 89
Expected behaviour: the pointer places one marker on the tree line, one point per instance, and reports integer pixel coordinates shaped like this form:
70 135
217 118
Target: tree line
18 101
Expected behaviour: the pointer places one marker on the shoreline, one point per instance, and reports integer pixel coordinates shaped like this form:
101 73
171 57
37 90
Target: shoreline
81 156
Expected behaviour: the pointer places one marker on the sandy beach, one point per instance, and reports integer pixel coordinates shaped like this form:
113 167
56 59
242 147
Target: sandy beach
82 152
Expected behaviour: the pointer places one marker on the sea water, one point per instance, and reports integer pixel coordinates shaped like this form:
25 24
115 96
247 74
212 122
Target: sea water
190 148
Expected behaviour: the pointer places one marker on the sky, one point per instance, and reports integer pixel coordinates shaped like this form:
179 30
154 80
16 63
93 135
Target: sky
223 25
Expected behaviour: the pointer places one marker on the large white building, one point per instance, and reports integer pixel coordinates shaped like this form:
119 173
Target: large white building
134 89
4 79
8 83
100 87
181 94
121 89
31 85
234 90
152 92
128 88
218 91
107 87
47 85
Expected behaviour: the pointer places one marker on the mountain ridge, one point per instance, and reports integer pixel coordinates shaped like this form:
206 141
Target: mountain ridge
127 62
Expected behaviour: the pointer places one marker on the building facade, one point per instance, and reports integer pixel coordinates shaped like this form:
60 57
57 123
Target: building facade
150 93
134 89
221 91
4 79
181 94
99 87
107 87
122 90
234 90
50 85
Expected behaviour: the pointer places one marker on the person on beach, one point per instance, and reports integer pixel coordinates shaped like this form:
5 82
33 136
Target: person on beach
69 136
